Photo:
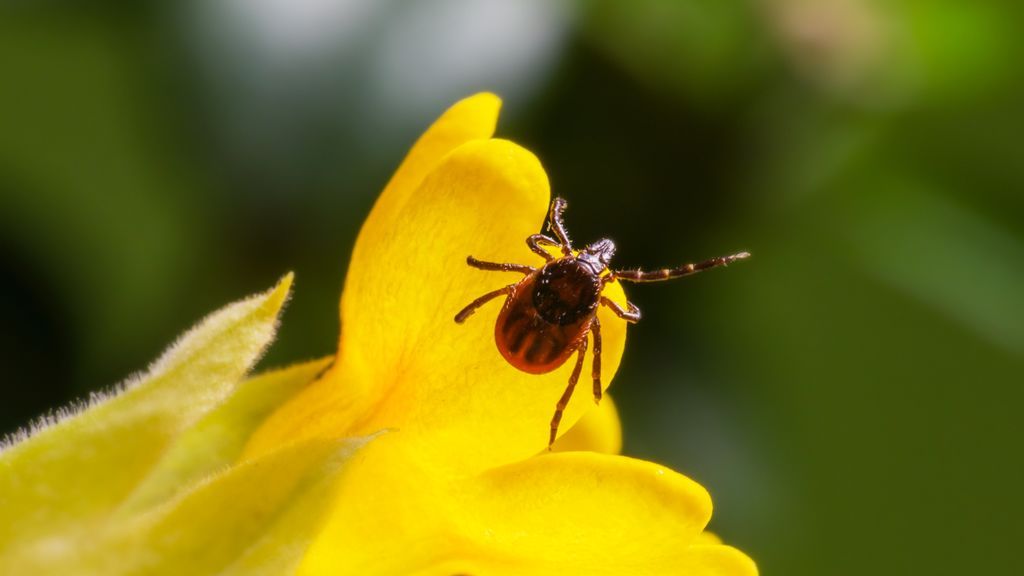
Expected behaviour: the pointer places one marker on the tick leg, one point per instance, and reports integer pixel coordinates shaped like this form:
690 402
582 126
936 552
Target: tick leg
555 224
495 266
684 270
595 329
632 315
468 310
564 400
535 241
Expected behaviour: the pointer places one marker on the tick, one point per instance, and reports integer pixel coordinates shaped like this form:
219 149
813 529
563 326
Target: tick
548 314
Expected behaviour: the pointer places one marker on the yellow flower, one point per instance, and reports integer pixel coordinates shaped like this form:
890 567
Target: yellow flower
416 450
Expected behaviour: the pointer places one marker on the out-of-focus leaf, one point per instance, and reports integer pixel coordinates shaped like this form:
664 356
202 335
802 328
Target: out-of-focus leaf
953 51
700 49
942 254
93 187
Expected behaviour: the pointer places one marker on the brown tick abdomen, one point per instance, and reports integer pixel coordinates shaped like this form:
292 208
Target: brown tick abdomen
544 319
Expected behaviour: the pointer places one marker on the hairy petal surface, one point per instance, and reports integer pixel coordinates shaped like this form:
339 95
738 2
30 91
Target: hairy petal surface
404 363
216 441
260 514
73 472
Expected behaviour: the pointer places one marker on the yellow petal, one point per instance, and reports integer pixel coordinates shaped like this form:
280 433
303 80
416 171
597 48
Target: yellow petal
589 513
563 513
254 518
698 560
75 471
472 118
708 538
215 442
405 364
598 431
714 560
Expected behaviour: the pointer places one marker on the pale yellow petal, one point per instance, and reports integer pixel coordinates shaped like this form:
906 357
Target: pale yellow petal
216 441
74 471
255 518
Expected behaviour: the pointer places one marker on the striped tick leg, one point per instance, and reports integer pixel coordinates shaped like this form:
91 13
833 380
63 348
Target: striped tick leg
595 329
468 310
561 239
684 270
632 315
536 241
496 267
564 400
555 224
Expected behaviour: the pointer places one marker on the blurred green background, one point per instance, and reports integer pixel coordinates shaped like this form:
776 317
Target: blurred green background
851 396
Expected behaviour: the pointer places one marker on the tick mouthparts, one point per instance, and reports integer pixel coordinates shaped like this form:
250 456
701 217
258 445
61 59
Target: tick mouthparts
740 256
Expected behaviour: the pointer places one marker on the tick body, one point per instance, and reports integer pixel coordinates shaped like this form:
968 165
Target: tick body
548 314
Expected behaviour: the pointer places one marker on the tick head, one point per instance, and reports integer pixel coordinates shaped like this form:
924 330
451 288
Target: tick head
599 254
